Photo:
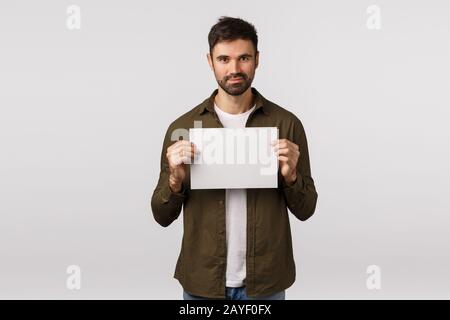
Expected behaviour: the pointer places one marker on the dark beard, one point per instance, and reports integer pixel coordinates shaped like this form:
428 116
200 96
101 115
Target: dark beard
235 89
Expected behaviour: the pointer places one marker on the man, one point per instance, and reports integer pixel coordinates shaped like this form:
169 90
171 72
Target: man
237 243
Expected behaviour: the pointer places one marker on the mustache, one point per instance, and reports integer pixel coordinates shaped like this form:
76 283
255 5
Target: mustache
236 75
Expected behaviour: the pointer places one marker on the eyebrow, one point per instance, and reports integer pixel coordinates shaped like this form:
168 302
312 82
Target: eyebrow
242 55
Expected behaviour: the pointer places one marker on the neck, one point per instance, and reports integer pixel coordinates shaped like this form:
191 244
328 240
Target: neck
234 104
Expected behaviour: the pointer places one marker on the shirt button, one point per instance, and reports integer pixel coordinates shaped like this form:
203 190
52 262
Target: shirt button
221 202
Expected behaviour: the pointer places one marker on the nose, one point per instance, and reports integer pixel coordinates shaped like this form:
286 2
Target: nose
234 67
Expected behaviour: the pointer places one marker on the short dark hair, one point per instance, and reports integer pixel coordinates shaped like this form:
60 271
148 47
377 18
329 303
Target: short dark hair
228 29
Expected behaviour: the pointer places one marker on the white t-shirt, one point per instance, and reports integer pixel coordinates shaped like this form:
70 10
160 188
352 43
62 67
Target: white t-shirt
236 213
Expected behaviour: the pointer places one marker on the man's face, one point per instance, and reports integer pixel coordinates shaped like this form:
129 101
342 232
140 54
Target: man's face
234 64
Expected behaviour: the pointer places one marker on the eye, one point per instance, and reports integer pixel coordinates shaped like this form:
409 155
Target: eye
223 59
245 58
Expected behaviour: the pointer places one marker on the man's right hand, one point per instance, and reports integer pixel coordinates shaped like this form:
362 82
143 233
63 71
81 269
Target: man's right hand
178 154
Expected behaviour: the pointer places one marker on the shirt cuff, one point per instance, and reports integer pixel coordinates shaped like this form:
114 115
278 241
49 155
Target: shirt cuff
167 195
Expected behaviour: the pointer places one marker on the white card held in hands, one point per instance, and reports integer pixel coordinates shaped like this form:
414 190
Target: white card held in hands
230 158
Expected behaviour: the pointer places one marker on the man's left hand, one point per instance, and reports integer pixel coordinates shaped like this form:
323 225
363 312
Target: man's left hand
288 154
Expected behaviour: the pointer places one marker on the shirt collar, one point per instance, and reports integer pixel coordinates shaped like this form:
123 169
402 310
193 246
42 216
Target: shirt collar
260 102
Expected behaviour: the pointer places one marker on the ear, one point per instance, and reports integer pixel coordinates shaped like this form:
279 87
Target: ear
256 59
210 62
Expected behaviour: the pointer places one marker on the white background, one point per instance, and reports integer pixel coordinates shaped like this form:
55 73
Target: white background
84 112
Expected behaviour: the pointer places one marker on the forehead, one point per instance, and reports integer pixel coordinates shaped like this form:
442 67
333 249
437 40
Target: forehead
233 48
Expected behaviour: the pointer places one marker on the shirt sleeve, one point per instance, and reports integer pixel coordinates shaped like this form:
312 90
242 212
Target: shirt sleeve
301 196
166 205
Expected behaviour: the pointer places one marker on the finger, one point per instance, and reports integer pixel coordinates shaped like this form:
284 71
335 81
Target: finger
283 143
188 156
175 156
293 145
277 147
177 160
295 154
177 144
185 153
182 149
174 161
290 149
278 142
184 143
286 159
186 159
188 152
286 162
191 148
188 145
284 151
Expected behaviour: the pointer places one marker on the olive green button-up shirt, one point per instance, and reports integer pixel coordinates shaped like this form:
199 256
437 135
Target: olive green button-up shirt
201 264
